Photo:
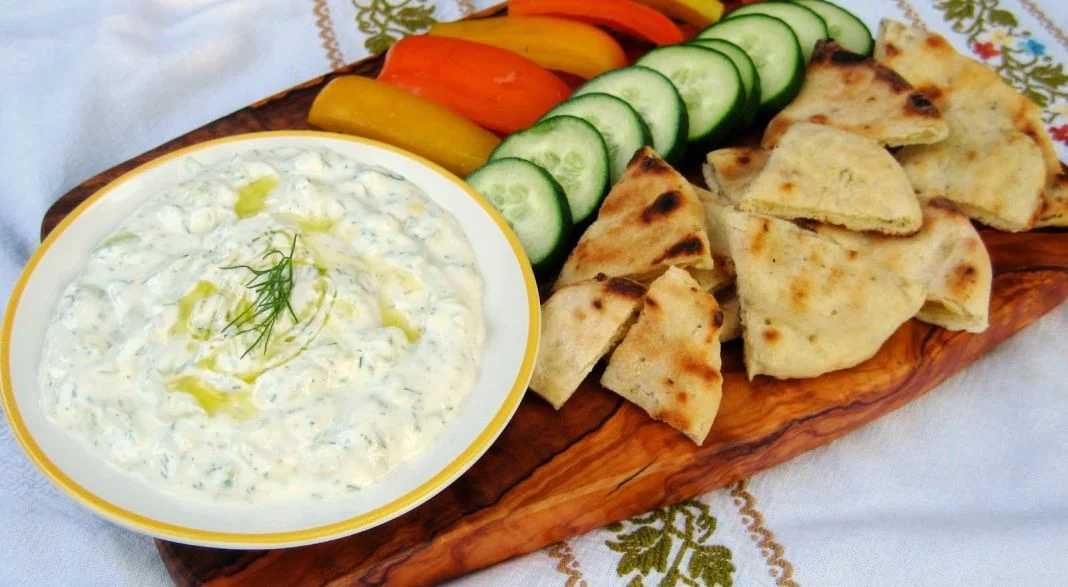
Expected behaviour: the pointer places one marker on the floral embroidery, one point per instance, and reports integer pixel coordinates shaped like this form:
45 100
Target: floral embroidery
995 36
1060 133
985 50
385 21
1032 46
672 543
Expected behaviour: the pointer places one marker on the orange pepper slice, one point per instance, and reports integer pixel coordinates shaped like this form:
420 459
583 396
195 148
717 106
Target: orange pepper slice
364 107
494 87
554 43
624 16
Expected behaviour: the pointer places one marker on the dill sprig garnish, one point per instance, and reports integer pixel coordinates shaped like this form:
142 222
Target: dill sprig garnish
273 287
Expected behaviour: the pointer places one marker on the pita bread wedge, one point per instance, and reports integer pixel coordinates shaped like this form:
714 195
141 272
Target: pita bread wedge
729 172
809 305
854 93
722 273
732 315
1055 201
946 255
579 324
822 173
998 158
651 220
669 363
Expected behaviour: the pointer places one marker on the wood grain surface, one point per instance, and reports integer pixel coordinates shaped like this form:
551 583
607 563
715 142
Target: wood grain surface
552 475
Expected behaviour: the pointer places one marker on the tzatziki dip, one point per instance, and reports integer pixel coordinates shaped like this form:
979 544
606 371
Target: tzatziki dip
285 324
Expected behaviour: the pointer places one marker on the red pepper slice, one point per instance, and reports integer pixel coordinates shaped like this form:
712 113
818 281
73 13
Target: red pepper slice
624 16
496 88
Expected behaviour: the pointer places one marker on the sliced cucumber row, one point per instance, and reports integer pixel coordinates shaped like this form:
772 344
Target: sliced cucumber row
775 51
709 84
621 127
572 151
746 70
655 98
845 28
553 176
532 203
809 26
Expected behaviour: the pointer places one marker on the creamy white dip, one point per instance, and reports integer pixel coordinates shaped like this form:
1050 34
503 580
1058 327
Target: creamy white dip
139 361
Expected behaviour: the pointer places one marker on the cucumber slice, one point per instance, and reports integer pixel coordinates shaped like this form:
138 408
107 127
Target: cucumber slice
844 27
572 151
773 47
747 71
655 98
807 24
709 85
621 127
532 202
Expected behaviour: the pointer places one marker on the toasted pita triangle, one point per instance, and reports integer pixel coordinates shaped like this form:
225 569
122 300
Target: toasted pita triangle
729 172
579 324
946 255
1055 200
669 362
651 220
722 273
998 158
732 315
810 306
822 173
854 93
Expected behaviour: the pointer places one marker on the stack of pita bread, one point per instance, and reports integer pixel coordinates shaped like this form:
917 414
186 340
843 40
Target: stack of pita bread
814 247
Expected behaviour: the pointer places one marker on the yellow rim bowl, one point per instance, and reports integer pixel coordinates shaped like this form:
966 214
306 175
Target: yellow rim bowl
512 313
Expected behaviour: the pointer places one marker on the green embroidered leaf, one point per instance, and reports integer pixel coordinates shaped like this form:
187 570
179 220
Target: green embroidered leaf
415 18
1002 17
617 527
379 43
958 9
636 582
1037 98
1052 76
711 565
671 579
644 550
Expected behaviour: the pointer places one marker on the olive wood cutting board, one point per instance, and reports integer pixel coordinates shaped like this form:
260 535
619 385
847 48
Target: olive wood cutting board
552 475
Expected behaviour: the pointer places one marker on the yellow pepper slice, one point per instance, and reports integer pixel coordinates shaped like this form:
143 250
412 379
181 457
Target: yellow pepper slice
554 43
699 13
368 108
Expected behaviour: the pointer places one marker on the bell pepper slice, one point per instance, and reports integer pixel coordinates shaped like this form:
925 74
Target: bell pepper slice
624 16
699 13
554 43
494 87
364 107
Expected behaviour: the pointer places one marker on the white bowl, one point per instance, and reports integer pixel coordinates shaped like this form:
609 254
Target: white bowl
512 321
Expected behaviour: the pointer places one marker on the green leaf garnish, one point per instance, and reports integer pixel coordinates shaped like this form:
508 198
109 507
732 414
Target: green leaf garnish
273 287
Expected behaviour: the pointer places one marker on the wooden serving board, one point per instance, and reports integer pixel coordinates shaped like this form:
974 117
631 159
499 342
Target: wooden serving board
552 475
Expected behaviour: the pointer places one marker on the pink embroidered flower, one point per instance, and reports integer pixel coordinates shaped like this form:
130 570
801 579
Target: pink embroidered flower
985 50
1059 133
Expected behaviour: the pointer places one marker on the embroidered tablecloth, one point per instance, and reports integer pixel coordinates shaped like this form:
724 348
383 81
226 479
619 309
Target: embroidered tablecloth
966 486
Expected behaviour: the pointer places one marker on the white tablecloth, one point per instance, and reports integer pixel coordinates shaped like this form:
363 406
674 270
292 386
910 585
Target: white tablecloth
967 486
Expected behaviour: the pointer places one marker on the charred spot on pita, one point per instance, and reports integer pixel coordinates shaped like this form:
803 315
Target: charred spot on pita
892 50
598 304
891 77
920 105
818 119
771 335
663 205
840 56
699 368
691 245
717 319
626 287
935 42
